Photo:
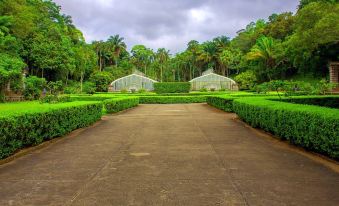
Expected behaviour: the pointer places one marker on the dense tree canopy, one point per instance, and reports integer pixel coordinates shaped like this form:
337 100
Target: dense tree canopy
38 40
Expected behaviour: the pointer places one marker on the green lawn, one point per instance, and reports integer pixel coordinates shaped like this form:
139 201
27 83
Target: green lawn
7 109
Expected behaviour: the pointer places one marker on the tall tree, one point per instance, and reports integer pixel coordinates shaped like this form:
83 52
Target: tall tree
162 57
117 46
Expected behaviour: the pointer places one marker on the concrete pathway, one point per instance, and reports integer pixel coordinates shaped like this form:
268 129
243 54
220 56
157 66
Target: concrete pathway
168 155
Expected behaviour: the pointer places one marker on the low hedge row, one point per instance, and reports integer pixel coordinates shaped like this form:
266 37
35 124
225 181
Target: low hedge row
312 127
324 101
172 87
91 98
224 103
33 126
120 104
172 99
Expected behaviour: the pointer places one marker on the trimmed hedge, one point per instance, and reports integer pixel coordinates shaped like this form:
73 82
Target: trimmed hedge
91 98
120 104
172 87
312 127
324 101
224 103
172 99
24 128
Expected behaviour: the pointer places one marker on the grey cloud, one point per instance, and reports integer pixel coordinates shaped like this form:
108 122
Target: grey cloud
168 23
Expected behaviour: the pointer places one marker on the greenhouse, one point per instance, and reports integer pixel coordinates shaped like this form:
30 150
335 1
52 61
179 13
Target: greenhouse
133 82
211 81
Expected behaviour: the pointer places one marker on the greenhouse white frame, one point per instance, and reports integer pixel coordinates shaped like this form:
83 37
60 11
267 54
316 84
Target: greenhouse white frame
213 81
133 82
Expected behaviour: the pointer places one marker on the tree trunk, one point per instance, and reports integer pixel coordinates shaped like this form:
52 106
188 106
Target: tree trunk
100 62
81 81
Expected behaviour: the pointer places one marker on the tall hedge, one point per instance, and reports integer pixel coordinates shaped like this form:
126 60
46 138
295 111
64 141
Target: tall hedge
120 104
31 127
312 127
172 87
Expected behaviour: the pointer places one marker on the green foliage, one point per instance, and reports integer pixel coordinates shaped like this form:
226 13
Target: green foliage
142 91
312 127
294 88
224 103
91 98
246 80
120 104
171 99
26 124
35 35
55 87
53 99
74 87
10 70
203 90
325 86
101 80
34 87
172 87
323 101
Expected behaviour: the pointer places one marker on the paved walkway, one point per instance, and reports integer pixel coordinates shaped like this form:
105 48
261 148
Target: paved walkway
167 155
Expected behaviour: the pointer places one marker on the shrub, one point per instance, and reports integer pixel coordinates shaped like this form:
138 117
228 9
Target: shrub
34 124
88 88
75 88
246 80
55 87
312 127
120 104
101 80
124 91
53 99
171 99
203 90
172 87
141 91
324 86
33 87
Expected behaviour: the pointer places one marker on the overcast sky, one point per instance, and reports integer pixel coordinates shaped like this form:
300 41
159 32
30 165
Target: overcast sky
168 23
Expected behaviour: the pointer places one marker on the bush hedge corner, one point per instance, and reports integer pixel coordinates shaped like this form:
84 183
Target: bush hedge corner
120 104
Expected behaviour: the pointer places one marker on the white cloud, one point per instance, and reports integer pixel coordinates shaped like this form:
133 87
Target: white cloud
164 23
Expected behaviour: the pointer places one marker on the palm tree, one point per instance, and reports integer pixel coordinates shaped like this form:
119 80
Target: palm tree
99 47
221 42
209 54
162 57
117 45
263 51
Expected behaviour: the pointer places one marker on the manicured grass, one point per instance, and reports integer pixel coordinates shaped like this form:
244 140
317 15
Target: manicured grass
18 108
331 101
